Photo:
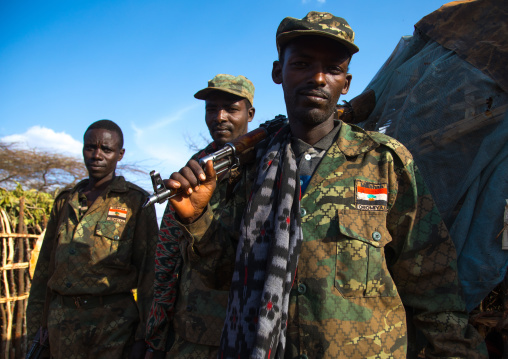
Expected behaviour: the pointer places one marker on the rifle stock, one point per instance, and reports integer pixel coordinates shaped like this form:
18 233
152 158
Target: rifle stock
228 157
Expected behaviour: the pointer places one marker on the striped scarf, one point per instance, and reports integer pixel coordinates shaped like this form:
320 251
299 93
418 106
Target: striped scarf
266 257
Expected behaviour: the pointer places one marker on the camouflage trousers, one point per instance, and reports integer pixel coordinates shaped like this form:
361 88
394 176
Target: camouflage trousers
98 330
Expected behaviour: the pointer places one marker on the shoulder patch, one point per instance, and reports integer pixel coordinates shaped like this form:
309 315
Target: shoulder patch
371 196
117 214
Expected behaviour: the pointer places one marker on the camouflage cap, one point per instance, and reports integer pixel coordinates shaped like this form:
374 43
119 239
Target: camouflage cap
317 23
239 86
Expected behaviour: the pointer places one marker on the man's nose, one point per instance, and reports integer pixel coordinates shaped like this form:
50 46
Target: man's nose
319 77
221 115
97 153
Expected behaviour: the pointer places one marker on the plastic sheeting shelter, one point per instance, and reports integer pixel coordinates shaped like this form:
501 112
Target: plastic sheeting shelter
444 94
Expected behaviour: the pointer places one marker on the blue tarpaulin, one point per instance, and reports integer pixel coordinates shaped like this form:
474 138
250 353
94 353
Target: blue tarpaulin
454 120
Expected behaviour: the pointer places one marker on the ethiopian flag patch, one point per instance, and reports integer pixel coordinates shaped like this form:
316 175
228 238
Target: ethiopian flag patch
117 214
371 196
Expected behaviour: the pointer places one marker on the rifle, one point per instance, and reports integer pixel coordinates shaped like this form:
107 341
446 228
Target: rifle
228 157
39 344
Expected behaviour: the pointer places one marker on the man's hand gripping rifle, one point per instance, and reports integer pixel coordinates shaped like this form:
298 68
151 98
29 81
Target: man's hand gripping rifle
228 157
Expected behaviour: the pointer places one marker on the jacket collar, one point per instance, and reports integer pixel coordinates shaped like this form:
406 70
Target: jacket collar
353 140
119 184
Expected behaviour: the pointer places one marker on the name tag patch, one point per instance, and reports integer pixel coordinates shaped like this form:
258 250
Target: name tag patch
117 214
371 196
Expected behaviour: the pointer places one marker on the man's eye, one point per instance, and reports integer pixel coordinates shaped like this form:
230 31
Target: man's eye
335 70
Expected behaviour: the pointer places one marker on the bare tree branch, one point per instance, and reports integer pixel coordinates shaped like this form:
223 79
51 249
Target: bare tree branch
194 144
44 170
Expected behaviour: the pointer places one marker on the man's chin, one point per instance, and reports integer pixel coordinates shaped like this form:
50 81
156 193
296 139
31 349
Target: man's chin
98 175
221 141
314 116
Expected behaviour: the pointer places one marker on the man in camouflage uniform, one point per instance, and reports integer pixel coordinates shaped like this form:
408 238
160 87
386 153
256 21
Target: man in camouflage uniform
341 252
228 102
99 246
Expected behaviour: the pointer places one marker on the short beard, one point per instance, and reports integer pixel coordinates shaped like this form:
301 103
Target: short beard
312 117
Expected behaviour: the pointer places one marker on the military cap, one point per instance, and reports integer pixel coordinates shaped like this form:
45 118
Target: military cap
239 86
317 23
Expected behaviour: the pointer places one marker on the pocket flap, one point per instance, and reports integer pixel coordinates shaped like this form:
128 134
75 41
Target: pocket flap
109 229
366 226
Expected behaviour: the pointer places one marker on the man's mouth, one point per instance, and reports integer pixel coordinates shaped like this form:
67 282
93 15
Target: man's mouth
221 130
314 94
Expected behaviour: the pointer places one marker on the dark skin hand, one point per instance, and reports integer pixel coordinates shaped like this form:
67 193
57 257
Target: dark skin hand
195 187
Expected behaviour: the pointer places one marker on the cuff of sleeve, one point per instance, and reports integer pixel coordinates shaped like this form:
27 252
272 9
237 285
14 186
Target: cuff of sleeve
196 230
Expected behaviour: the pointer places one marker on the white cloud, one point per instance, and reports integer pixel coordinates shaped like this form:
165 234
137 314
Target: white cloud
161 144
44 138
162 140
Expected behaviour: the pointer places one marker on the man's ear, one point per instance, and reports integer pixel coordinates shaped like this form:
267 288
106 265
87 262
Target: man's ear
345 89
251 113
122 152
277 72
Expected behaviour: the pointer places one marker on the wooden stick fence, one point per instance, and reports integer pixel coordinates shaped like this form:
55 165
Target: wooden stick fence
16 251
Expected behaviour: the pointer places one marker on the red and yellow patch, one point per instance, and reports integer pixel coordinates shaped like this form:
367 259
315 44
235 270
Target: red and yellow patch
117 214
371 196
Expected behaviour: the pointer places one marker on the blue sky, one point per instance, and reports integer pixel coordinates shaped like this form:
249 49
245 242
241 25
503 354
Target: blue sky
65 64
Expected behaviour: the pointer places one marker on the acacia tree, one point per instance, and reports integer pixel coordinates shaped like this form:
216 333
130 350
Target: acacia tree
43 170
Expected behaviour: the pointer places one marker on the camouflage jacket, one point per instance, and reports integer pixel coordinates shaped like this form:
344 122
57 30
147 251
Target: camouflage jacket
201 304
107 250
375 251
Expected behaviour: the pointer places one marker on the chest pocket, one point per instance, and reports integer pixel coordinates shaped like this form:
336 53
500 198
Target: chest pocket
361 269
111 248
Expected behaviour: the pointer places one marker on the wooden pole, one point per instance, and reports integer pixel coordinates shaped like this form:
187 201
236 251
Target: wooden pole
8 325
2 306
6 257
20 305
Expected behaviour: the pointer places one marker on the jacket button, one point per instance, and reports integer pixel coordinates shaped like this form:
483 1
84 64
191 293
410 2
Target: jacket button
376 236
188 308
72 251
302 288
116 238
303 212
68 284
